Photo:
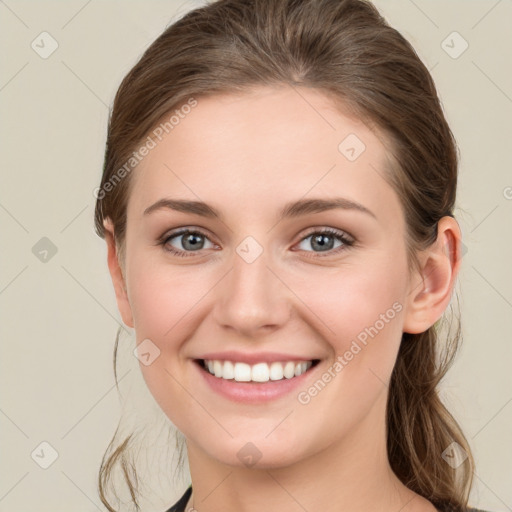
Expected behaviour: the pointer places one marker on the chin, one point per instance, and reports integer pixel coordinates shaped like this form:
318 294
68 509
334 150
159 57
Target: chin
260 453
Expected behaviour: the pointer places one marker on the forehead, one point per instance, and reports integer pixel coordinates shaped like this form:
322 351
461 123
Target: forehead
267 146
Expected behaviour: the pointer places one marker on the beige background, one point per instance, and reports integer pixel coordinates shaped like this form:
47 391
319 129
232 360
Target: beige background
59 317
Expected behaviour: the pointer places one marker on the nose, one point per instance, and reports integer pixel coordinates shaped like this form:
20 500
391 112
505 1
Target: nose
252 299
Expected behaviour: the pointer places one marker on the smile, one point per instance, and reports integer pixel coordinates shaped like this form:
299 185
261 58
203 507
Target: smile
259 372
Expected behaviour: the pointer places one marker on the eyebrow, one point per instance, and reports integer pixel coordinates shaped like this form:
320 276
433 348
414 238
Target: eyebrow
290 210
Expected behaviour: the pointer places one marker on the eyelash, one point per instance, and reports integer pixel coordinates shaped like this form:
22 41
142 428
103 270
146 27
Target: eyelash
347 242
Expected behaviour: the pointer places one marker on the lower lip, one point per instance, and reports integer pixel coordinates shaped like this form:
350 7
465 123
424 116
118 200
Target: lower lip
254 392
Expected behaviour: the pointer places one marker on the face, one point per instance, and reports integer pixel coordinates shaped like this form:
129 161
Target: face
299 255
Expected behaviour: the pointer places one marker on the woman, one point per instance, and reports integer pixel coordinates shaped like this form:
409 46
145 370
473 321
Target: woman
277 202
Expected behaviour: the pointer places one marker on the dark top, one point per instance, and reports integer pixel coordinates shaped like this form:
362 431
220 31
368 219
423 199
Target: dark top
181 504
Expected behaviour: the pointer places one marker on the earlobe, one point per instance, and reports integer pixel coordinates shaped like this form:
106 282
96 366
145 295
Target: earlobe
430 293
116 274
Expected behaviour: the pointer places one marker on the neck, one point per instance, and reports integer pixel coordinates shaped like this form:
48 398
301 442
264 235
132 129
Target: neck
352 475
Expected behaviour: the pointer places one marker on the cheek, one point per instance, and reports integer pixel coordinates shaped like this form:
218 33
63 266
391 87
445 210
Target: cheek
161 297
363 310
353 299
362 306
162 302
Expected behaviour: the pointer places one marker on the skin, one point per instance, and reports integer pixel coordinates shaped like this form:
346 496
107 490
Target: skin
247 155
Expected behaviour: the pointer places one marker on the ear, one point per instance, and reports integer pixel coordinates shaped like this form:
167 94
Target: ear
116 274
431 291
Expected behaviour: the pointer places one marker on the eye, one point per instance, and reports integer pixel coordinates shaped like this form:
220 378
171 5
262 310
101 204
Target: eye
324 240
186 241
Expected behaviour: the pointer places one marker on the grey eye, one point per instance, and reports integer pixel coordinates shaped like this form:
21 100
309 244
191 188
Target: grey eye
321 242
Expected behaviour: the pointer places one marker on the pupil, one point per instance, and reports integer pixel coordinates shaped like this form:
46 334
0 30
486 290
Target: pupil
194 240
321 241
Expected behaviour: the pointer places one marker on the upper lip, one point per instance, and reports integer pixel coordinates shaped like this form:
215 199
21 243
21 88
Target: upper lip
261 357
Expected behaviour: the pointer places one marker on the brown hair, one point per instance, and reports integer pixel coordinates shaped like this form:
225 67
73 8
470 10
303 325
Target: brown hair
347 50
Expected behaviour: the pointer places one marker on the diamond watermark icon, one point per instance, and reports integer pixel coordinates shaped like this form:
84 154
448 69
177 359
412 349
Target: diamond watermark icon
351 147
463 249
44 249
44 45
454 45
249 454
454 455
249 249
146 352
44 455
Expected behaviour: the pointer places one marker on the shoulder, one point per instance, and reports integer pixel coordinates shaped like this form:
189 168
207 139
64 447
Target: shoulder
180 505
469 509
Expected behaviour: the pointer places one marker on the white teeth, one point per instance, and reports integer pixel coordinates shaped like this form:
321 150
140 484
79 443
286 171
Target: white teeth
228 370
289 370
260 372
217 368
276 371
242 372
